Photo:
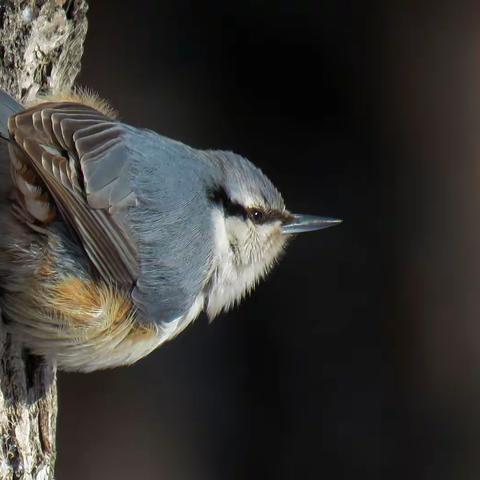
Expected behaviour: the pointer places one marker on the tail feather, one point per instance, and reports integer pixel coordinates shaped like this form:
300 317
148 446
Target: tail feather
8 107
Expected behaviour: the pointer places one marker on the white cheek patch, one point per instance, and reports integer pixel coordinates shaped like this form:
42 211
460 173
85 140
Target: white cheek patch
225 243
236 233
243 255
220 232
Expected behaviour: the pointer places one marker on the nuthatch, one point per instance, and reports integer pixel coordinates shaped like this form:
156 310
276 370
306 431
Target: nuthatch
116 238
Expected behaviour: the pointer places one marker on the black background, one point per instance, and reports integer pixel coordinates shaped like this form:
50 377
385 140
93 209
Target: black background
357 358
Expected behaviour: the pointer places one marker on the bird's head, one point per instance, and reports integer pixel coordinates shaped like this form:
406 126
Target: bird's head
251 229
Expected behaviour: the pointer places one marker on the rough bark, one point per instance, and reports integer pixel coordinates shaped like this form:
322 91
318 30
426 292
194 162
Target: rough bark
41 44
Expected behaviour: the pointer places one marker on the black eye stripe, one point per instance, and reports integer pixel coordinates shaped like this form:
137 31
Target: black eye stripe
256 214
230 208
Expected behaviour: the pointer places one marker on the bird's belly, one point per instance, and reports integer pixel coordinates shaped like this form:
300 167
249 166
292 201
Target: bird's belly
82 325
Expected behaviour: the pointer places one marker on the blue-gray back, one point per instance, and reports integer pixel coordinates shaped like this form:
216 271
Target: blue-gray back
172 223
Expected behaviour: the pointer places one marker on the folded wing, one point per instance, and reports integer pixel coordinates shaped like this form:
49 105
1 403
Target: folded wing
81 158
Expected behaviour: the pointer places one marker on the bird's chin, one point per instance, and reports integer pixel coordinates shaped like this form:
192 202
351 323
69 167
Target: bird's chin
231 285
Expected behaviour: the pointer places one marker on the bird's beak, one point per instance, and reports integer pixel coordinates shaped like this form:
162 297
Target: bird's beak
307 223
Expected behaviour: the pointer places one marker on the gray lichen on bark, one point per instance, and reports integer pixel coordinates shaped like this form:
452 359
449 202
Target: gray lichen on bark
41 44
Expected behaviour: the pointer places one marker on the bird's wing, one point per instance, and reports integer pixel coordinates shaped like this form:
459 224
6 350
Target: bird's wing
80 155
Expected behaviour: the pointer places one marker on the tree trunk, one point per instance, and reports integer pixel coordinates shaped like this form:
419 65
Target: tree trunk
41 44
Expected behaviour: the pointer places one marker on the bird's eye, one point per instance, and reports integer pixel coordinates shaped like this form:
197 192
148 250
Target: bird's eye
256 215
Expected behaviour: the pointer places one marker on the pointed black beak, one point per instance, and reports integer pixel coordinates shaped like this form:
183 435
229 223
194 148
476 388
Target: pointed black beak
308 223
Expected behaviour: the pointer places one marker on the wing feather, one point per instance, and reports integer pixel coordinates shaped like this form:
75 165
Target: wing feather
80 156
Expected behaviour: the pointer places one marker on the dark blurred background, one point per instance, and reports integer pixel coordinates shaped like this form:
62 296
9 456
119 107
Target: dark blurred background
359 357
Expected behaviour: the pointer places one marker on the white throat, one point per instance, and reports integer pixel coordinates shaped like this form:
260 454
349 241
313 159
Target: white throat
231 278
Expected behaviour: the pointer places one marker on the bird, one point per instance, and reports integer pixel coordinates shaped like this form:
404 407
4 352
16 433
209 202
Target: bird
115 238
